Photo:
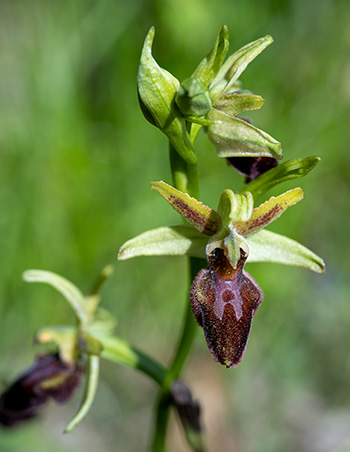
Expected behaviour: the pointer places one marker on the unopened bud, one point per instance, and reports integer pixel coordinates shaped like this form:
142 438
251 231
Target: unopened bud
193 98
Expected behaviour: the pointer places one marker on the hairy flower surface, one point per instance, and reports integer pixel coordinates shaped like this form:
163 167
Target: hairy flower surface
224 307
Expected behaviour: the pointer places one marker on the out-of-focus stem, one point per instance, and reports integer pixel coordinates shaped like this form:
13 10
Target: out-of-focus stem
119 351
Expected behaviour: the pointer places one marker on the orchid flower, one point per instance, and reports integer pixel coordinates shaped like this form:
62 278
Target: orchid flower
224 296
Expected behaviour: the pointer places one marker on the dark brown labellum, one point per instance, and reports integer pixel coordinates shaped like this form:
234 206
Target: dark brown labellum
224 304
47 377
252 167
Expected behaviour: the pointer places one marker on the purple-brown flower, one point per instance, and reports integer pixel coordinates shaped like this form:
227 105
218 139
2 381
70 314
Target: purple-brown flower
252 167
224 301
224 297
48 377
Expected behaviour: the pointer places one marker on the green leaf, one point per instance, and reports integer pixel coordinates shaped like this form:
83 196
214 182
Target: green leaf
233 207
71 293
234 137
235 103
267 246
211 64
269 211
157 90
172 240
235 65
292 169
90 392
203 218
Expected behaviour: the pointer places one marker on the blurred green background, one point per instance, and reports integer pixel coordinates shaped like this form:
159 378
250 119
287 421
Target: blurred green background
76 160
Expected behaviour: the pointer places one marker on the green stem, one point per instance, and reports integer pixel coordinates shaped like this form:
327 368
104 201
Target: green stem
185 178
119 351
185 175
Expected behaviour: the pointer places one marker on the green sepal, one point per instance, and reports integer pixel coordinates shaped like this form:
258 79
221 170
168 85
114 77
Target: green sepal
93 370
104 322
120 351
157 89
172 240
235 65
89 343
233 207
203 218
65 337
209 67
93 299
267 246
234 137
102 277
235 103
269 211
71 293
291 169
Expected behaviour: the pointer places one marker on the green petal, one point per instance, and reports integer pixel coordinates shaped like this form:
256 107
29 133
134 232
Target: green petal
267 246
71 293
203 218
235 103
64 336
157 90
269 211
90 392
235 65
211 64
292 169
172 240
234 137
235 207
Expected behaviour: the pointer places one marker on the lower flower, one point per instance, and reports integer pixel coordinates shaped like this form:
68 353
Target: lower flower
224 301
48 377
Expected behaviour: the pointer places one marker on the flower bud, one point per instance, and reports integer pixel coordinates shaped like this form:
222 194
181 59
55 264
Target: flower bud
193 98
189 412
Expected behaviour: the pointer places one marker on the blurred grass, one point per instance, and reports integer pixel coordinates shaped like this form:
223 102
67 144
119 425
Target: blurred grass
76 161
